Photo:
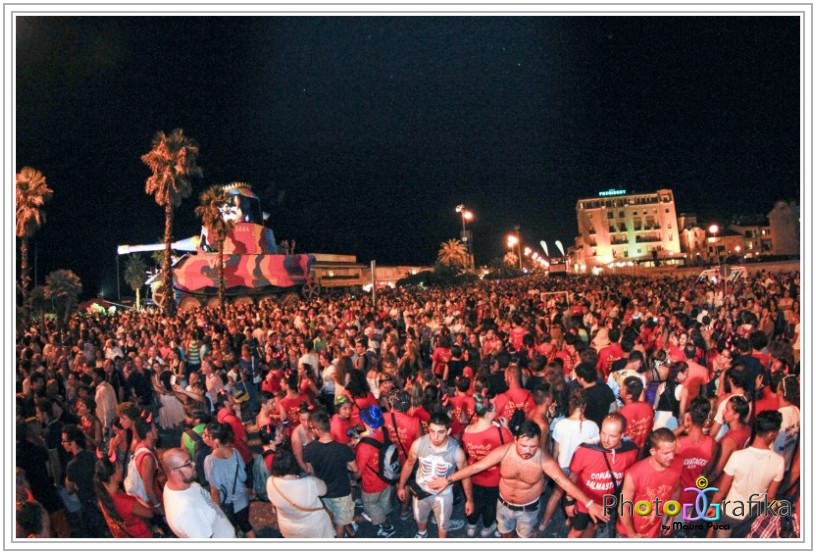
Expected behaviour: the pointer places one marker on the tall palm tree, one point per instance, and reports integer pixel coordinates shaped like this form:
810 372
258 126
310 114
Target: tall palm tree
62 288
31 194
135 276
209 210
173 163
453 253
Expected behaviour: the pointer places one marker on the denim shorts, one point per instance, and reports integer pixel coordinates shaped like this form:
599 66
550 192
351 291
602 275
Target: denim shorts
341 509
524 523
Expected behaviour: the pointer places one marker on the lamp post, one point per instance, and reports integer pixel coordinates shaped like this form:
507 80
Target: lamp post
467 215
714 229
514 241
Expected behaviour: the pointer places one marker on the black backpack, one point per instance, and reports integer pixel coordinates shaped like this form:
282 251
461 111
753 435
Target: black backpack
390 466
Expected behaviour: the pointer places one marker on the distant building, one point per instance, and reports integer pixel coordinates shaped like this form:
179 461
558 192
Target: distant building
756 233
616 227
783 222
693 240
686 221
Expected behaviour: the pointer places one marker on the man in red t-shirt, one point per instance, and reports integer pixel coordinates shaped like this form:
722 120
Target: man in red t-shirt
639 415
461 406
272 382
341 421
517 333
656 477
515 397
289 405
609 353
480 438
696 451
376 491
227 415
698 375
590 470
403 430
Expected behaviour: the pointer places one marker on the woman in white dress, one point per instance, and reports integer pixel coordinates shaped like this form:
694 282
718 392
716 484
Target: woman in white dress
296 498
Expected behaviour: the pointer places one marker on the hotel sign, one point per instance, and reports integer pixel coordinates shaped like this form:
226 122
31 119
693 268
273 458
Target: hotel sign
612 192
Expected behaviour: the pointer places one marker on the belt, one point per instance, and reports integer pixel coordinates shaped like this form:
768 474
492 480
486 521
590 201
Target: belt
531 507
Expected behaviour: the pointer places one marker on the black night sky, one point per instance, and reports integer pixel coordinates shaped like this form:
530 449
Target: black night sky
369 130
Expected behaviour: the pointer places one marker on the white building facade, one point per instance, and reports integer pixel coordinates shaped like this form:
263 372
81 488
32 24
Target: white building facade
616 227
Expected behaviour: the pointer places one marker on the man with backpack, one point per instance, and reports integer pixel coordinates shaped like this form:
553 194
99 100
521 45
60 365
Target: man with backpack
331 461
379 467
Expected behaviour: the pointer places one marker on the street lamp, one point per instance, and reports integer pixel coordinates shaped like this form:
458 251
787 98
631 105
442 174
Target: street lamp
467 215
714 229
515 241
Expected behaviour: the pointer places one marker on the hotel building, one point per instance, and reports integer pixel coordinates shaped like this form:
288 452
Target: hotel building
616 227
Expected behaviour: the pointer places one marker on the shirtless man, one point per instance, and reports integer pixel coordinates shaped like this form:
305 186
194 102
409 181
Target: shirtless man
522 465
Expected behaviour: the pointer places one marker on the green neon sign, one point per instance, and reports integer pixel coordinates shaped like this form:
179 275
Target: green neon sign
612 192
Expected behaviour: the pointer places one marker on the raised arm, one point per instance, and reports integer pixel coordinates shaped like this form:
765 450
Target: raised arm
494 457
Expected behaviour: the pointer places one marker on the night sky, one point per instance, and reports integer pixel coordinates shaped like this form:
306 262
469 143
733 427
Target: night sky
361 134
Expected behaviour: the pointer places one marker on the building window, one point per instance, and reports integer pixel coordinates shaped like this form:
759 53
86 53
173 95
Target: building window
609 215
620 214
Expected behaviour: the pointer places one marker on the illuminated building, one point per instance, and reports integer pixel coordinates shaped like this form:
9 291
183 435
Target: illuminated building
616 228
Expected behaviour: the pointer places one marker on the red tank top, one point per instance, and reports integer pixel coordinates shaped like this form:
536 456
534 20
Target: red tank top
651 484
740 437
477 446
507 402
695 457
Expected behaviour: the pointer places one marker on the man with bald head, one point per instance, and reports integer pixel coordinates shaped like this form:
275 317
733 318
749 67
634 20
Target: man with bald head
188 508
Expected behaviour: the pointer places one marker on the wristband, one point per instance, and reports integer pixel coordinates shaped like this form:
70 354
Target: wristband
590 503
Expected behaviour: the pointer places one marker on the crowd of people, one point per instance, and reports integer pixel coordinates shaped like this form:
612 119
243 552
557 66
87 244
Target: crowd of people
516 405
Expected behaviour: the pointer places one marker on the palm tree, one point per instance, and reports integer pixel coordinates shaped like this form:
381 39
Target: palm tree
37 300
62 288
173 163
511 259
158 255
453 253
209 210
31 194
135 276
